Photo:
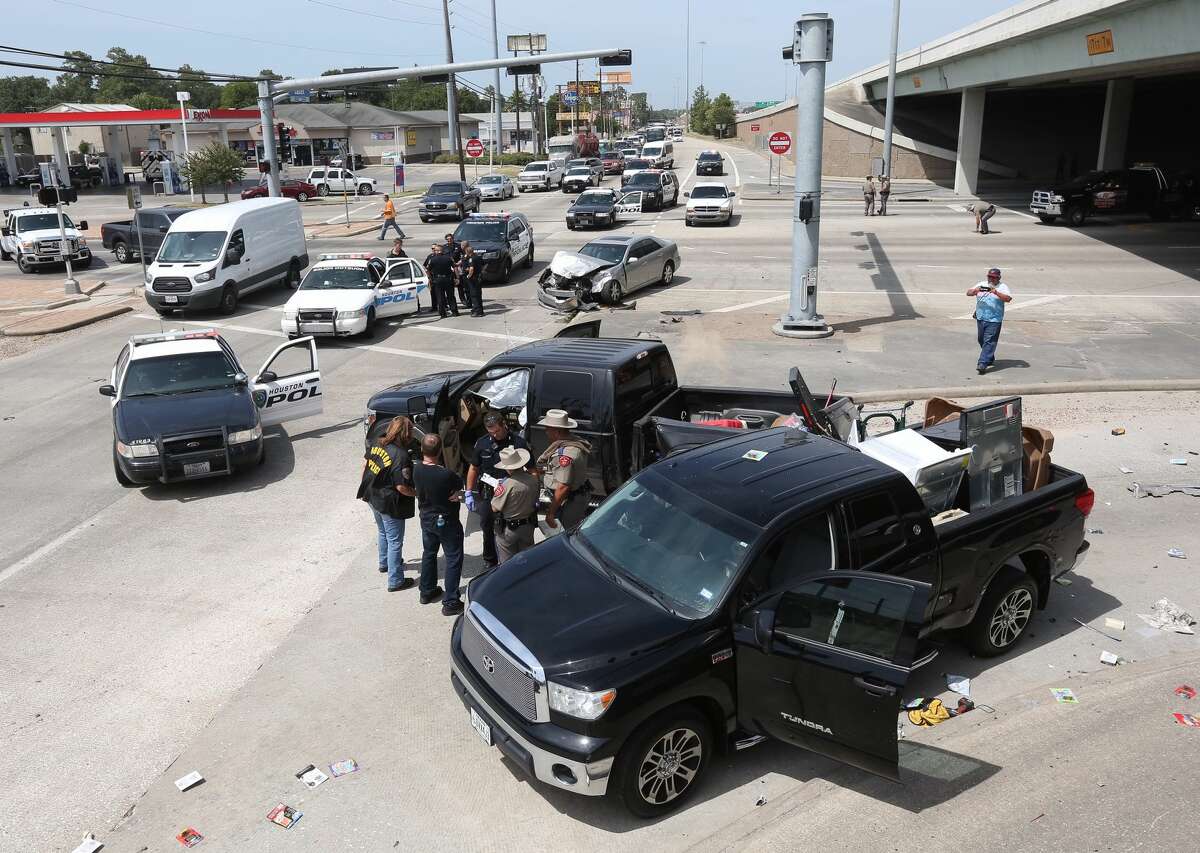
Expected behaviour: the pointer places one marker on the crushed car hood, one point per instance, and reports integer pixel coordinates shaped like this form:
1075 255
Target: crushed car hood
575 265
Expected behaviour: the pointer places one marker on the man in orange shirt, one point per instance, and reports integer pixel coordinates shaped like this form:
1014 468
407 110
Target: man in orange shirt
389 219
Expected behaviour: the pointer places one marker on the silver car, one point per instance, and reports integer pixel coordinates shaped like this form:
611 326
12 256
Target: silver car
495 186
605 270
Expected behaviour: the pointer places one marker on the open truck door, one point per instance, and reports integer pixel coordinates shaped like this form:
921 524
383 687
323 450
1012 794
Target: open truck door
590 329
823 665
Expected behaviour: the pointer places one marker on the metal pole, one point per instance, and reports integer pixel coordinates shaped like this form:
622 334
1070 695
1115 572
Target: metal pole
452 98
497 116
687 66
702 44
266 109
517 101
347 164
812 51
137 224
891 91
575 119
186 149
70 286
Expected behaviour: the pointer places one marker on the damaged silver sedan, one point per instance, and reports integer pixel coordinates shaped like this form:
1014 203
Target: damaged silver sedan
606 270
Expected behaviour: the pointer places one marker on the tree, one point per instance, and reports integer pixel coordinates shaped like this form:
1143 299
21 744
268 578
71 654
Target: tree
146 101
213 164
205 94
132 77
639 106
268 74
78 87
85 148
722 112
699 120
27 94
241 93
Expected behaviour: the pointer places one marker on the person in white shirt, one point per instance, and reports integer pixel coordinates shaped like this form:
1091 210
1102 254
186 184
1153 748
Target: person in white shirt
991 295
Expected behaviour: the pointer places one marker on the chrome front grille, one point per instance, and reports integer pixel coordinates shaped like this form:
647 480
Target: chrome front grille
1041 198
318 315
499 670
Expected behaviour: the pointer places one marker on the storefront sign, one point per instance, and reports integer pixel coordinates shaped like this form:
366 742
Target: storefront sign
410 137
383 135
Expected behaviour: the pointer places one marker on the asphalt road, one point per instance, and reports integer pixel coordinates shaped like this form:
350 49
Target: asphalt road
130 619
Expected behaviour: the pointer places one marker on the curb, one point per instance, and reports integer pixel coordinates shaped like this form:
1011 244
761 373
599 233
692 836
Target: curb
342 231
66 324
1086 386
44 306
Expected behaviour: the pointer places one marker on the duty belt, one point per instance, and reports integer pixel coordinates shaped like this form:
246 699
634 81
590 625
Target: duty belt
517 524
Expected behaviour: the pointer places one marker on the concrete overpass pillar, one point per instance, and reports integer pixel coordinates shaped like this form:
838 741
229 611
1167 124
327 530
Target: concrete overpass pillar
10 153
60 155
1114 127
970 135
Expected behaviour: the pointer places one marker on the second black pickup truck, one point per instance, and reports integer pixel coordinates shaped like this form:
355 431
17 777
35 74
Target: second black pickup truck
124 241
769 585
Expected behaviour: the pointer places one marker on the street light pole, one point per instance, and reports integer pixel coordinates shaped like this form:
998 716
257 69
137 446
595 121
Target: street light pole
452 98
497 116
702 44
891 91
184 97
812 48
687 66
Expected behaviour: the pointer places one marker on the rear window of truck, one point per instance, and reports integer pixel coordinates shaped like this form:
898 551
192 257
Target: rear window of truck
566 389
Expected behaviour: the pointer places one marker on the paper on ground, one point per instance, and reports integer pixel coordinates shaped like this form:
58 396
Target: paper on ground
88 845
185 782
1109 658
959 684
1115 624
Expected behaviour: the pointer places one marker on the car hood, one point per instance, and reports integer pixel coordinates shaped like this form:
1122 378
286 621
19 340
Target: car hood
343 299
442 197
558 606
580 207
148 417
487 189
575 265
484 246
46 234
394 399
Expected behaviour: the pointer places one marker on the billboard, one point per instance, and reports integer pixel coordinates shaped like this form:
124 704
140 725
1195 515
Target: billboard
526 43
586 87
617 77
584 115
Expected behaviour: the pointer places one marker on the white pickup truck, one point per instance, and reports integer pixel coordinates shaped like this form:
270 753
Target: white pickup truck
541 175
31 236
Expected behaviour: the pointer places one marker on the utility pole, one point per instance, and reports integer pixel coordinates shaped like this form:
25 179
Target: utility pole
687 66
266 108
517 102
891 91
811 49
452 98
575 120
497 115
702 44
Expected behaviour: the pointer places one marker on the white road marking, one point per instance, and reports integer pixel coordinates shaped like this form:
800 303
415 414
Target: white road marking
1027 303
1021 213
753 304
251 330
715 252
1183 247
29 559
341 217
472 332
765 257
957 207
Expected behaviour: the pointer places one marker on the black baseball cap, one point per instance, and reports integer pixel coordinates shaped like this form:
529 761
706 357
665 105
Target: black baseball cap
994 272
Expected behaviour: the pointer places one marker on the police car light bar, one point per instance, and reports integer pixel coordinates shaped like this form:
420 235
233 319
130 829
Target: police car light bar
344 256
489 215
177 335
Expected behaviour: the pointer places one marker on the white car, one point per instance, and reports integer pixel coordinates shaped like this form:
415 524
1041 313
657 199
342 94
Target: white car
541 175
709 201
347 293
495 186
328 180
30 236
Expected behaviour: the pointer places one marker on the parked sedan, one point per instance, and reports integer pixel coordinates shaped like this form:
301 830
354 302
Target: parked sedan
299 190
605 271
495 186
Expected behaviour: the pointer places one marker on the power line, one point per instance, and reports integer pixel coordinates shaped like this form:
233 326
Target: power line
159 78
214 75
372 14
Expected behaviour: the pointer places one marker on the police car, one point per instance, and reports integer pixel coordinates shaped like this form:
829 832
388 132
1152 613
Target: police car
183 407
345 294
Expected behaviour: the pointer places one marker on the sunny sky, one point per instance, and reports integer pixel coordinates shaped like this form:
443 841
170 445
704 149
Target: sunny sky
305 37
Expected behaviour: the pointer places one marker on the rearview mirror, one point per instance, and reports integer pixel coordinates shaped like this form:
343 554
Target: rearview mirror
82 226
267 376
764 629
107 391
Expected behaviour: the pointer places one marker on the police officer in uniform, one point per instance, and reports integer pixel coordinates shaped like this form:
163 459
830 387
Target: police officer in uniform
514 502
564 468
479 492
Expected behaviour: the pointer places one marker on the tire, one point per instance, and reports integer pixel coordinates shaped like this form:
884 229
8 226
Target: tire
675 745
300 197
506 273
369 331
425 219
521 189
1004 614
84 264
613 292
1047 218
229 299
462 213
668 275
121 252
121 478
292 280
366 189
529 257
24 266
1076 215
687 223
570 226
323 190
729 220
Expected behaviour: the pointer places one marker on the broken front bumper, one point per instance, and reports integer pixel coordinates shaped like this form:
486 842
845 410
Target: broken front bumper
559 299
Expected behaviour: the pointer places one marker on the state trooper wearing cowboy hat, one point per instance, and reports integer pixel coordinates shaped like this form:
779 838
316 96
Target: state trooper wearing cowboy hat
564 467
514 502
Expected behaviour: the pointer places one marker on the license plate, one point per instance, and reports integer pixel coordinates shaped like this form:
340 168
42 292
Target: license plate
481 728
171 299
194 469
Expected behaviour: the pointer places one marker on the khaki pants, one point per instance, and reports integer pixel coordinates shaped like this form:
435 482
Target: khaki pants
868 204
883 197
509 543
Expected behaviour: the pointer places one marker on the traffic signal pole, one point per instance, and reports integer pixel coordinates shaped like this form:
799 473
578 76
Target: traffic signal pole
266 109
812 48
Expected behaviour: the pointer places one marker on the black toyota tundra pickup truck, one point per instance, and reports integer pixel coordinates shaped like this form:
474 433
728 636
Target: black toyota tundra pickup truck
126 243
769 585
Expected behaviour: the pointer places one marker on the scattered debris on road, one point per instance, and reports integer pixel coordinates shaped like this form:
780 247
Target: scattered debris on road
690 312
1177 553
1097 630
1062 580
1185 691
284 816
1109 658
1166 615
762 801
1065 695
188 781
959 684
88 845
341 768
1118 430
1125 470
1115 624
1188 720
311 776
1095 531
189 837
1179 461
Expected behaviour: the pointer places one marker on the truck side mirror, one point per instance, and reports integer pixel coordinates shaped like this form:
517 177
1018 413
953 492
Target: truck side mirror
5 232
82 226
764 628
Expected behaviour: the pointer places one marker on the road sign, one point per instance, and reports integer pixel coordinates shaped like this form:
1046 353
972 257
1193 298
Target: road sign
779 143
570 98
754 128
474 148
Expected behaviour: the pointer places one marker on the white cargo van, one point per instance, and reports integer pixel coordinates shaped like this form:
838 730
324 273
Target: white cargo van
211 258
661 153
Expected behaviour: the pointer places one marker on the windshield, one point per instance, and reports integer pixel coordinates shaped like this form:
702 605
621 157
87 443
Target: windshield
643 179
178 374
337 278
479 231
444 189
708 192
580 172
709 156
535 167
610 252
575 164
684 550
183 246
42 222
491 179
637 164
595 198
629 152
566 150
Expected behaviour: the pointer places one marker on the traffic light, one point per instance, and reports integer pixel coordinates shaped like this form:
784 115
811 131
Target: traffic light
50 196
621 57
285 139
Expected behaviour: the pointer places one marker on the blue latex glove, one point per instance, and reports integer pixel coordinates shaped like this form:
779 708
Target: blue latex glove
470 501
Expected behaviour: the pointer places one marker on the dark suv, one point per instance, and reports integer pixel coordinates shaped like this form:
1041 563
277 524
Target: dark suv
710 163
1140 189
448 198
502 239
